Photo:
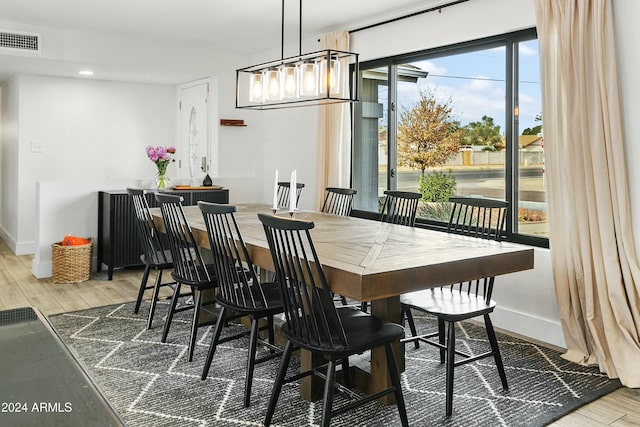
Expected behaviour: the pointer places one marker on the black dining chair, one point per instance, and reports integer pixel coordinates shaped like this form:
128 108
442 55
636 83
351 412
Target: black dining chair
189 267
313 322
240 293
338 201
400 207
154 255
284 189
475 217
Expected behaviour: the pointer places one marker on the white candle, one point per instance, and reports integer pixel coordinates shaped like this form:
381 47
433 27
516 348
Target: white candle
275 192
293 190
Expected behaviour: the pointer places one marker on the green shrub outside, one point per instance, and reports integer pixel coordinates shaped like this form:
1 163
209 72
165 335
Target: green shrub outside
436 211
437 187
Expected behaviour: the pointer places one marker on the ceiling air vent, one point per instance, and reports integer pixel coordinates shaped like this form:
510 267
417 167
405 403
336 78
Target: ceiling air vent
19 42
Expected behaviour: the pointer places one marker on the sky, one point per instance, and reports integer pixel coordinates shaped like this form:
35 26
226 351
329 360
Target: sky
475 84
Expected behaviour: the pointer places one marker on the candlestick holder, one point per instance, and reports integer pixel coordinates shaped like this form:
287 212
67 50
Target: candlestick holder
292 214
274 211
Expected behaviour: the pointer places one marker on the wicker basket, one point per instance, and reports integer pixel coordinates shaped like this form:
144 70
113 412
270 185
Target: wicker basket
71 264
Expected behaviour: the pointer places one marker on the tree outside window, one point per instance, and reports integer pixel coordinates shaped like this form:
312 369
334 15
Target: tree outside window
427 134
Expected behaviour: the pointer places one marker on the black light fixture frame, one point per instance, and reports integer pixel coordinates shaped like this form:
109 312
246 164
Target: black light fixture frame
323 97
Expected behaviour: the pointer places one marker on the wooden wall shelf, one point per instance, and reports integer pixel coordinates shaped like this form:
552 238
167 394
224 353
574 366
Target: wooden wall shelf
231 122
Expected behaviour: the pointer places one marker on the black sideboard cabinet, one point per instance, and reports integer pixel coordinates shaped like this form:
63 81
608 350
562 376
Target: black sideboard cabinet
118 244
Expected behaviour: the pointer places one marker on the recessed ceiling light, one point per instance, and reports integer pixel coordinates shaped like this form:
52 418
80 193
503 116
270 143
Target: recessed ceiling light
85 72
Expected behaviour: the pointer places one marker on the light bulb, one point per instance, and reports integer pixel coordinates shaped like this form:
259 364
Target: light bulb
330 77
273 85
290 84
308 75
334 77
256 92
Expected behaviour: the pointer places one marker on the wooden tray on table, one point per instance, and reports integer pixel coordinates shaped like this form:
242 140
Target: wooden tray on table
188 187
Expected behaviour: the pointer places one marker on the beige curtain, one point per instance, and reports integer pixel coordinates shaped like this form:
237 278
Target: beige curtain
334 131
595 266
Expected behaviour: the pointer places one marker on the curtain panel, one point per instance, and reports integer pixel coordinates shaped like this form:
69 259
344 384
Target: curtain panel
595 265
334 131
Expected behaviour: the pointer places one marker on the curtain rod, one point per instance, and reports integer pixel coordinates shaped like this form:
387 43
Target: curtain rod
453 3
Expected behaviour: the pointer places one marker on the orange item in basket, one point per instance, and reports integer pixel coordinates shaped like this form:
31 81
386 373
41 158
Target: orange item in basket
74 241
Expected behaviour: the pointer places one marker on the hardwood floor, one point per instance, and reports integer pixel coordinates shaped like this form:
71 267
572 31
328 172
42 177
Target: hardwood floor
18 288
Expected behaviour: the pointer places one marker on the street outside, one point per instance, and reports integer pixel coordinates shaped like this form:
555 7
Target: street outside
489 182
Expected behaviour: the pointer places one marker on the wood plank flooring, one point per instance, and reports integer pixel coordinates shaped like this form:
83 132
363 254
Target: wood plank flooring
18 288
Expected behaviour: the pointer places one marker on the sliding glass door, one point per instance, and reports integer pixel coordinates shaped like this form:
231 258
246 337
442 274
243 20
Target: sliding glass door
461 120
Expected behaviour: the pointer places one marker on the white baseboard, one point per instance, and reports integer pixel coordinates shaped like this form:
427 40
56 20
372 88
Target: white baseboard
8 240
41 269
545 330
25 248
18 248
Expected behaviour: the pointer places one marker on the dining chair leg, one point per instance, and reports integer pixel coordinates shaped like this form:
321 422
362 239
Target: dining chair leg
172 308
346 373
327 402
214 342
143 287
271 332
491 334
277 385
251 361
412 324
154 298
451 353
394 375
194 325
441 338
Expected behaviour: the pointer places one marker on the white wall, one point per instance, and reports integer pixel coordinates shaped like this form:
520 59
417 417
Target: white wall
466 21
95 111
292 142
527 302
74 210
94 132
9 164
89 131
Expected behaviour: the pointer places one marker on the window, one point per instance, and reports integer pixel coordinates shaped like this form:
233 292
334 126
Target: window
460 120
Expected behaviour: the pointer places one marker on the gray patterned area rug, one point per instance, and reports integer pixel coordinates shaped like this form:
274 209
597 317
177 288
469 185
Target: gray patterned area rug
152 384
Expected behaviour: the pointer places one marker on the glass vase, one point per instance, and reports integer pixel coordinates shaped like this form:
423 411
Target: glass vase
162 182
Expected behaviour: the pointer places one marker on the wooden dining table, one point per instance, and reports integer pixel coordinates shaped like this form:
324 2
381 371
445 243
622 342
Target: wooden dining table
373 261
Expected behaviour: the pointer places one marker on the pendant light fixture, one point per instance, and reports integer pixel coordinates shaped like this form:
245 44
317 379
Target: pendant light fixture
315 78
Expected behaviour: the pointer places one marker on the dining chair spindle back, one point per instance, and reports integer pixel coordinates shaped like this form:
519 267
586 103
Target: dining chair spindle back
154 255
400 207
313 322
475 217
240 292
482 218
189 267
338 201
284 189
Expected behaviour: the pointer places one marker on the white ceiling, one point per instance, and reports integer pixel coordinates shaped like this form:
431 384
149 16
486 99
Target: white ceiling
243 26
